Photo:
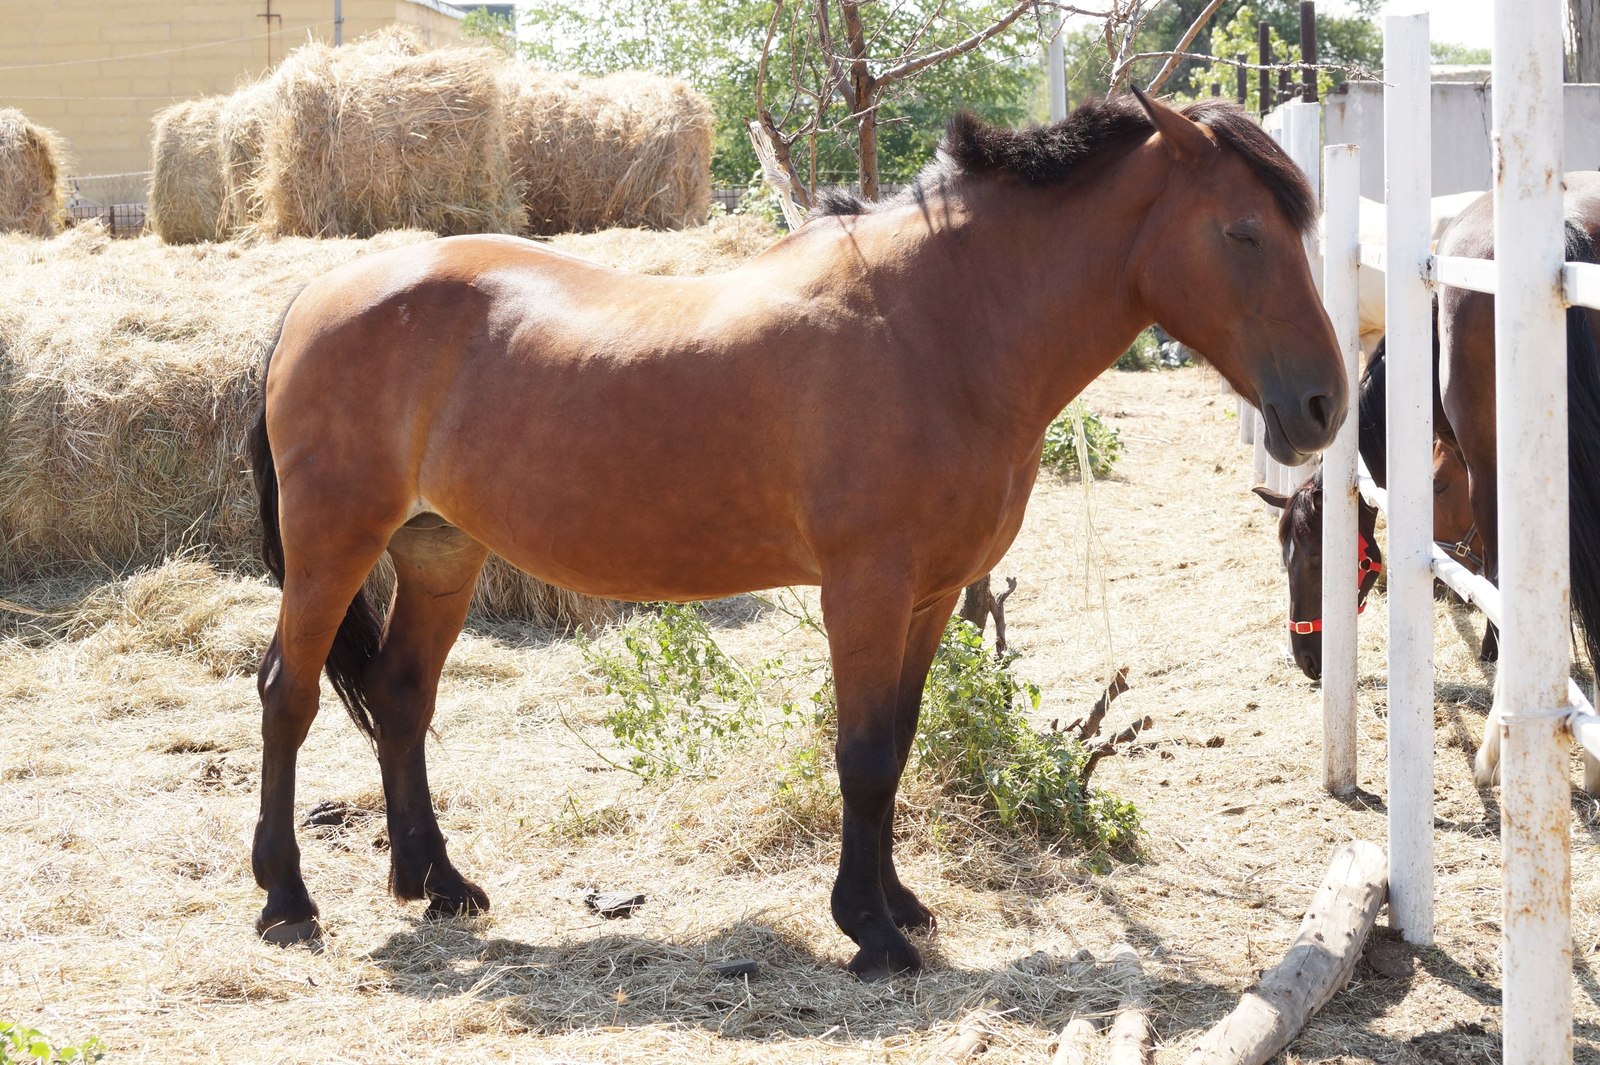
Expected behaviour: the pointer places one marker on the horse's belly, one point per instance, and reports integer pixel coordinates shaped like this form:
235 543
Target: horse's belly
648 556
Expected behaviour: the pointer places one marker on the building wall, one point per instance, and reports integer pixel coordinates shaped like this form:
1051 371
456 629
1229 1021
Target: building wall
97 72
1462 115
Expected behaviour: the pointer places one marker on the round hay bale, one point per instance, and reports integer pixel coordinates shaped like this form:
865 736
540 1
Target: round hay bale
630 149
33 195
368 138
241 137
186 172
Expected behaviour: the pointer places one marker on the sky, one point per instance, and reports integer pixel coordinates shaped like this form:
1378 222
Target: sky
1469 22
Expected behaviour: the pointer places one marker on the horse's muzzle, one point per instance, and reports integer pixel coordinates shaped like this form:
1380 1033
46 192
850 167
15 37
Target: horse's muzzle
1296 431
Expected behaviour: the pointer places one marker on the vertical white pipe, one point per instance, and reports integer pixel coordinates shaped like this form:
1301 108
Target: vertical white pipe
1531 387
1341 212
1259 457
1057 66
1408 182
1302 139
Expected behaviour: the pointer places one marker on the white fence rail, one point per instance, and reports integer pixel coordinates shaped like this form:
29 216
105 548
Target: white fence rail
1542 708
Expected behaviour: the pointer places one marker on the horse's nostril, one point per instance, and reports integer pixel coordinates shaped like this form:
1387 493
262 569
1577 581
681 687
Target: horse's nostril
1320 410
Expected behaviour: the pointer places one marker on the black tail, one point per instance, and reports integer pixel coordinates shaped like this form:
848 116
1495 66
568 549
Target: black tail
1583 455
356 642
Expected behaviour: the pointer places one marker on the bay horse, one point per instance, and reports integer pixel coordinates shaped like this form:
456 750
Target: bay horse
862 407
1300 525
1467 386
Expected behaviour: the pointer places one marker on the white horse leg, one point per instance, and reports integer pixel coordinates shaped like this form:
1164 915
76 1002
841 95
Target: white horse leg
1486 767
1591 775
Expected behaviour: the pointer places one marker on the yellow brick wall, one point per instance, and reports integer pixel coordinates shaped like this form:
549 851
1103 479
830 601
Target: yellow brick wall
96 72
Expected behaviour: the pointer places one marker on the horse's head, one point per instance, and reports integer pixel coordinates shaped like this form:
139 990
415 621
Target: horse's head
1453 527
1220 264
1300 536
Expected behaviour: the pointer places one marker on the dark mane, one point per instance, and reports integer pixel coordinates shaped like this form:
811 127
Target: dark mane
1055 154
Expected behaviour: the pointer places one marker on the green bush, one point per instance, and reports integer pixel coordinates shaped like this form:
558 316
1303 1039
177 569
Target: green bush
1143 354
1102 445
19 1045
976 742
684 702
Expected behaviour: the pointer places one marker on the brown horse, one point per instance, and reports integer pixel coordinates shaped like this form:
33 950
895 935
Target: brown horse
1300 526
861 407
1467 385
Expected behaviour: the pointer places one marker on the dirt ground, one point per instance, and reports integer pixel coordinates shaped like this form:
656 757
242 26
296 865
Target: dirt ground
128 773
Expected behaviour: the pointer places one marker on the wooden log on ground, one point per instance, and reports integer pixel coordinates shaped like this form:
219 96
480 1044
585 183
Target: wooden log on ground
1128 1042
1318 964
1076 1046
969 1039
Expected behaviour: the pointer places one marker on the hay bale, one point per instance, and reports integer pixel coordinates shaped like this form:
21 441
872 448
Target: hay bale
186 172
241 138
33 195
128 379
368 138
629 149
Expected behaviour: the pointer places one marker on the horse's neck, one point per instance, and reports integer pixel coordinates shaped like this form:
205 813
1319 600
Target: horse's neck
1041 278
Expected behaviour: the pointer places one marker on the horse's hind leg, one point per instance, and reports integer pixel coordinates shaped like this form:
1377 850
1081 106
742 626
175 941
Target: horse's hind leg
436 568
927 626
323 577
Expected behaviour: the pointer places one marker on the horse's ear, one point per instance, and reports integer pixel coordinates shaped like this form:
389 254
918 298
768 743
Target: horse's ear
1279 501
1182 136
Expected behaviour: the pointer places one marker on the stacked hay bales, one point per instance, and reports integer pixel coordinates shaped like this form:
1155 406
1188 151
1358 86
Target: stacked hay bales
629 149
186 186
369 138
33 195
128 380
241 141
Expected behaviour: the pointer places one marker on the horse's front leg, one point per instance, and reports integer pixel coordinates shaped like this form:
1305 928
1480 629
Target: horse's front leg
927 626
868 623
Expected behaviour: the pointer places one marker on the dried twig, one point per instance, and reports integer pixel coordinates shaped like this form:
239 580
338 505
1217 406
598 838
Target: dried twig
1087 727
1121 739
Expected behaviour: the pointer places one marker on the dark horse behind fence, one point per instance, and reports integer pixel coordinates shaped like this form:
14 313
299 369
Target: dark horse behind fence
1467 386
1300 526
860 407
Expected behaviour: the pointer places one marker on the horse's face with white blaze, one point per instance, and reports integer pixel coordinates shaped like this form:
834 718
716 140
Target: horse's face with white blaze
1220 263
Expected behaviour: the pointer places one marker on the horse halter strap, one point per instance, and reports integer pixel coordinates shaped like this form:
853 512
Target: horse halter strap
1365 565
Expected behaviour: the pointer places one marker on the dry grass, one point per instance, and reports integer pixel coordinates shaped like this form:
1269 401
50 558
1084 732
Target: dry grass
33 192
127 794
374 137
630 149
128 378
186 171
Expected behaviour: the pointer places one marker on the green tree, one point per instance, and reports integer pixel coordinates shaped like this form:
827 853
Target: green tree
717 47
1463 54
1348 42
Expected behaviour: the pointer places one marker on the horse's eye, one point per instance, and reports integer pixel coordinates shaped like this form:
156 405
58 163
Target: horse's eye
1439 488
1244 237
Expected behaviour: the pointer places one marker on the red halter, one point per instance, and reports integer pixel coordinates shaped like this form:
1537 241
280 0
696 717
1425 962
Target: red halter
1365 564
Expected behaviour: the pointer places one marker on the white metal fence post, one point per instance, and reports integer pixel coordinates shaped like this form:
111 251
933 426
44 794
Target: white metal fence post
1408 184
1341 173
1531 387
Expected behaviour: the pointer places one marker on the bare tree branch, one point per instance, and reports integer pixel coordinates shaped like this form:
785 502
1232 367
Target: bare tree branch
1183 42
911 66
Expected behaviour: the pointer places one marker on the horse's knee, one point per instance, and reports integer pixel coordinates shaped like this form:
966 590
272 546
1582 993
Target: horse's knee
869 774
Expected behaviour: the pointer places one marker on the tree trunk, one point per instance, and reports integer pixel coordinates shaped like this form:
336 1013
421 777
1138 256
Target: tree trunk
1583 40
867 143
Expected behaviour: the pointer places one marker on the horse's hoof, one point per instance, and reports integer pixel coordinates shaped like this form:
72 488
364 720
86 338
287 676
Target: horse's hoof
1484 773
288 933
872 966
468 901
910 915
